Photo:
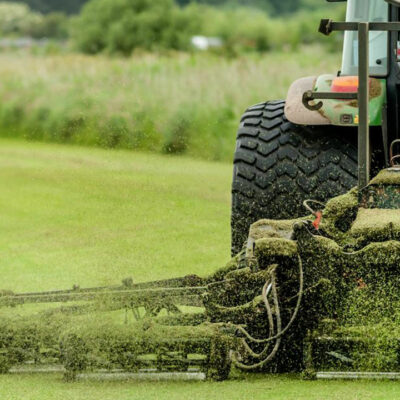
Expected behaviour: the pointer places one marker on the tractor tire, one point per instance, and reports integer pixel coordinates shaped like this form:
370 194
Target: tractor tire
278 165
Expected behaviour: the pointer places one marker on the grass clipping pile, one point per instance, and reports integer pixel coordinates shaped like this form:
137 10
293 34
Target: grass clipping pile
295 299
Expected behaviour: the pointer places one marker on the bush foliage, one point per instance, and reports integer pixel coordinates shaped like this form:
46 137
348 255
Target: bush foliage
120 26
273 6
123 25
20 20
49 6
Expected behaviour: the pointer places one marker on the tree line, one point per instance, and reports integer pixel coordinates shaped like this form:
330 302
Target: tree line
122 26
273 7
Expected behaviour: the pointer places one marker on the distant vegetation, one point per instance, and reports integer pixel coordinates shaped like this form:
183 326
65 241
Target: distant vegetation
189 104
47 6
122 26
162 96
19 20
272 6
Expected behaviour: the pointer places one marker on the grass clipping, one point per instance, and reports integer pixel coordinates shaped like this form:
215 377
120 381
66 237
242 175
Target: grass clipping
357 290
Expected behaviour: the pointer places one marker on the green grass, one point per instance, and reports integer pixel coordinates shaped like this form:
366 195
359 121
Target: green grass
179 103
89 216
51 387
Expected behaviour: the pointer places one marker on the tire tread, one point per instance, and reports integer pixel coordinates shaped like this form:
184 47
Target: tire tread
278 164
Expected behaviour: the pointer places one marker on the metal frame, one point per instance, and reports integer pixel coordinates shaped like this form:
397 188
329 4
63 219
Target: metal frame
364 164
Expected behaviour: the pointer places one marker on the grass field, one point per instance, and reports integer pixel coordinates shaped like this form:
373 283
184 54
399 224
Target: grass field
51 387
89 216
176 103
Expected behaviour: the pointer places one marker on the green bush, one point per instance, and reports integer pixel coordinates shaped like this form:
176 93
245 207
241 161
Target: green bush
275 7
53 25
49 6
241 29
120 26
19 20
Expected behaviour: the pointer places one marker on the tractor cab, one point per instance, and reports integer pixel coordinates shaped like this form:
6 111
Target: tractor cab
373 11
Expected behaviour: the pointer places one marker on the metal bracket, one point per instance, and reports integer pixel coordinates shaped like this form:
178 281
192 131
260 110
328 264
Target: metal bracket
327 26
393 157
310 96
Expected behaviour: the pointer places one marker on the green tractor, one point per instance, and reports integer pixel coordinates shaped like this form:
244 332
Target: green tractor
318 294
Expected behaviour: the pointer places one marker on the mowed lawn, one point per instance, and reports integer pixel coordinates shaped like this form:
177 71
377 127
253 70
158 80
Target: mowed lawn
72 215
51 387
90 217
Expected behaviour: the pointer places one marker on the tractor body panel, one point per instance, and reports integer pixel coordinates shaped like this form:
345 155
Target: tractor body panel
333 112
294 109
346 112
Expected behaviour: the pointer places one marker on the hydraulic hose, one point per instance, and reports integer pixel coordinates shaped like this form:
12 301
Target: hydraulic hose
273 336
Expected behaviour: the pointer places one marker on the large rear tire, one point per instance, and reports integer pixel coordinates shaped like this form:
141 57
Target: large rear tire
278 165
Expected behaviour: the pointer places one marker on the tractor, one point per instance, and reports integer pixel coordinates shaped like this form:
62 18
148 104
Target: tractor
288 152
317 294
